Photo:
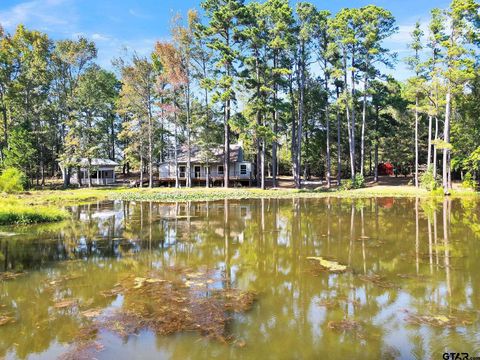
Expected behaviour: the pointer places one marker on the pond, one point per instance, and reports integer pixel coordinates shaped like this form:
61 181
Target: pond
411 288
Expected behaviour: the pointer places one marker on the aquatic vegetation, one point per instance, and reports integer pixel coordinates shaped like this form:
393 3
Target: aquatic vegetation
185 301
378 280
6 319
329 265
344 325
4 276
168 302
65 303
439 320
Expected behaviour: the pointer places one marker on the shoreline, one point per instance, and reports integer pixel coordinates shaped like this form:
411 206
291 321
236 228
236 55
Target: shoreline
44 205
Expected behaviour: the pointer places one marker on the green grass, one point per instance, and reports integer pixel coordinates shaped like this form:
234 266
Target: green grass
201 194
22 215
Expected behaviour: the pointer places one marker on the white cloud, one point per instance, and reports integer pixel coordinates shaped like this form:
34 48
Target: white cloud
40 14
404 34
138 14
100 37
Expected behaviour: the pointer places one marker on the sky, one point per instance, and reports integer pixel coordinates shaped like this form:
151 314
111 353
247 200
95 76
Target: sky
120 25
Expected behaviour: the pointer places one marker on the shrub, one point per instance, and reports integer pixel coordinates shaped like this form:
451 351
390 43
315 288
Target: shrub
12 180
428 180
357 183
347 184
469 182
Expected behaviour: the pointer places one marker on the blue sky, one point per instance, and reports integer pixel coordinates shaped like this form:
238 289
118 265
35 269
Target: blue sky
116 25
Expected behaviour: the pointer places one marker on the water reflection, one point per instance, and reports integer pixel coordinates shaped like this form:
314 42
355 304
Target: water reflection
425 251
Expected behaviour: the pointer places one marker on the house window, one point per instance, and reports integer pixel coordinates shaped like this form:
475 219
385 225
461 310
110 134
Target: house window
220 169
181 170
243 169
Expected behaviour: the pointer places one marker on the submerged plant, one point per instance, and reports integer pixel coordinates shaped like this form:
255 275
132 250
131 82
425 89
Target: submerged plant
329 265
171 301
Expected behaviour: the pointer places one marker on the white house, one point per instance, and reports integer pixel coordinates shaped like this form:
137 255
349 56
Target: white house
102 171
240 171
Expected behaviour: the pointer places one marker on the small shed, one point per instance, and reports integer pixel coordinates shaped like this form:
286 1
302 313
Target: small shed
102 171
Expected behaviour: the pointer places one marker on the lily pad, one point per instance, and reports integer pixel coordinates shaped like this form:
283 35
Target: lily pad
331 266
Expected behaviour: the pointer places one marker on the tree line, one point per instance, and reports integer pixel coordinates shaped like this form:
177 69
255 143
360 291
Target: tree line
305 90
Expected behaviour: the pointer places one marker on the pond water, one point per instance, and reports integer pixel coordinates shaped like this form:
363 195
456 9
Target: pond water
411 289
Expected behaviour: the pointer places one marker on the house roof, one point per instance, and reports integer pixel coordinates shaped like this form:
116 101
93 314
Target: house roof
97 162
196 154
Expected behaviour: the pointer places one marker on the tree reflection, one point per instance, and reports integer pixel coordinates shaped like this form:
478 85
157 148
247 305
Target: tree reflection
422 252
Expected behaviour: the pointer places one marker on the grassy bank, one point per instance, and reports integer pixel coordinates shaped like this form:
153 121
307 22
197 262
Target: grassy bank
32 207
199 194
22 214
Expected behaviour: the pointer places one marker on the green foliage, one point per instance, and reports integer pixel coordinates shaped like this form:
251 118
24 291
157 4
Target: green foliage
428 180
20 153
357 183
12 180
26 214
469 182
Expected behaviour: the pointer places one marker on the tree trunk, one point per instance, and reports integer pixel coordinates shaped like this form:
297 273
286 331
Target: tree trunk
226 150
262 158
275 129
328 147
5 122
150 152
301 69
141 171
339 144
187 100
353 116
349 120
89 173
364 119
416 141
446 138
112 134
294 126
207 176
79 176
177 181
375 177
429 154
435 148
327 125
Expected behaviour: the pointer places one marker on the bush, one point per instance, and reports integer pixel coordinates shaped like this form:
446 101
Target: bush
428 180
469 182
347 184
12 180
357 183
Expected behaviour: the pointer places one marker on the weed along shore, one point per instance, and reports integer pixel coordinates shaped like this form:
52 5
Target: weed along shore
18 213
